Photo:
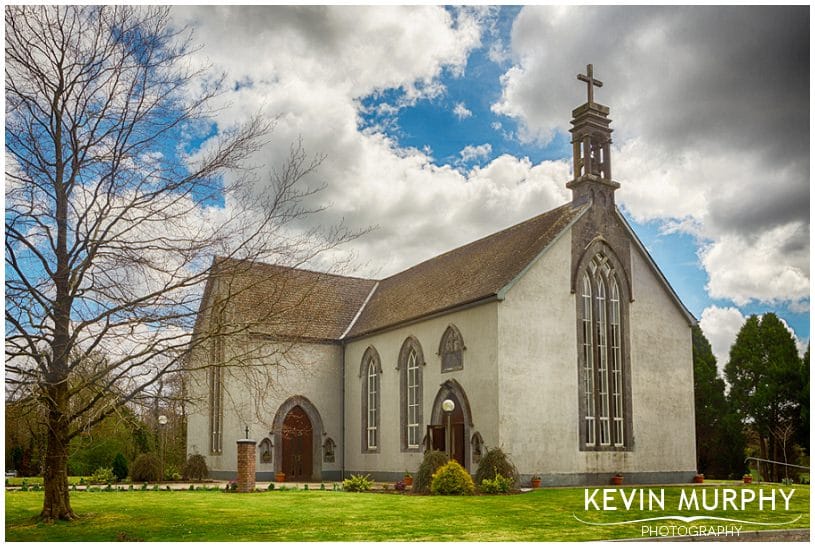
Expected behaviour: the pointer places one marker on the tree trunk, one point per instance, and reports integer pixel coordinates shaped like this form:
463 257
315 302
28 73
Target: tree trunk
763 467
56 504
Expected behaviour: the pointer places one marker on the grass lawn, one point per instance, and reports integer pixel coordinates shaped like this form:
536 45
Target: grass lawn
542 515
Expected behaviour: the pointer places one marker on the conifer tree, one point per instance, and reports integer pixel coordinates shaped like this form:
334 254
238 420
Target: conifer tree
765 375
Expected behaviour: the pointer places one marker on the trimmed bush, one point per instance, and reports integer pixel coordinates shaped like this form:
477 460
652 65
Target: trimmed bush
147 467
120 467
103 475
493 463
357 483
452 480
499 485
431 462
195 468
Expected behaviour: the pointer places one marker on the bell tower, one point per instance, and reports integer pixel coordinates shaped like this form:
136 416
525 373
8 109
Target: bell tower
591 145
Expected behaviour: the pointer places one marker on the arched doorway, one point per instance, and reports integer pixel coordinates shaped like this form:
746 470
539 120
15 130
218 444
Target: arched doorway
449 431
298 431
297 436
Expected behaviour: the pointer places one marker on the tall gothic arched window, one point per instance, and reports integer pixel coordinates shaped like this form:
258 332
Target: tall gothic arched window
370 371
605 414
411 361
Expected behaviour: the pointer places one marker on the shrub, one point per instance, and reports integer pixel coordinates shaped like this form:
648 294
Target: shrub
195 468
271 486
147 467
171 473
499 485
120 467
452 479
496 462
357 483
431 462
103 475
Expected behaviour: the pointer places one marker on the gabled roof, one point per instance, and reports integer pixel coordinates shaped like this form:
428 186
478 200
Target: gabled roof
290 302
468 274
295 303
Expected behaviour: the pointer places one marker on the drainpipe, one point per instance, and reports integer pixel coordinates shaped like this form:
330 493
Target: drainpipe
342 411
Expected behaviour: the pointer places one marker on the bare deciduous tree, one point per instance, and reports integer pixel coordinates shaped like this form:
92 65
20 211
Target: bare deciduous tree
119 191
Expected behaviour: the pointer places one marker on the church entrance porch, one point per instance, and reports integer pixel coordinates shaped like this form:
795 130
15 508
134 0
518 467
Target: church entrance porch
298 437
451 422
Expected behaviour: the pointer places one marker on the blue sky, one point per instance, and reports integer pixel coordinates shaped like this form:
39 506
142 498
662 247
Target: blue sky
441 125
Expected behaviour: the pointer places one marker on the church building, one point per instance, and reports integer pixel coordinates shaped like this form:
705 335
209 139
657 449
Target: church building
557 339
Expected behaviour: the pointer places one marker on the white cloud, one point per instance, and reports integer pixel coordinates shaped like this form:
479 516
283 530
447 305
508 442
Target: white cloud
759 267
313 65
721 326
470 152
461 111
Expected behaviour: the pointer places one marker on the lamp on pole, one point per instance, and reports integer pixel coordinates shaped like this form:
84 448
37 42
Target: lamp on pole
448 406
162 422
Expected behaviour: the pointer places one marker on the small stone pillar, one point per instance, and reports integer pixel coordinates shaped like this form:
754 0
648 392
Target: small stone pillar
246 465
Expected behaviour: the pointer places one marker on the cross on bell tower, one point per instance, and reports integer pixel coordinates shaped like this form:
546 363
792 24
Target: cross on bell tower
591 81
591 144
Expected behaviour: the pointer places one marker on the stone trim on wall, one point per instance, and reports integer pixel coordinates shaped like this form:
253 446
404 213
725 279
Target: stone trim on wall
600 246
448 388
317 432
451 349
401 365
370 353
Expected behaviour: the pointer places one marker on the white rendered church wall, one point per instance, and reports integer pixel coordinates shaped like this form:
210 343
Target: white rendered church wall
312 371
538 376
537 366
662 376
198 409
478 380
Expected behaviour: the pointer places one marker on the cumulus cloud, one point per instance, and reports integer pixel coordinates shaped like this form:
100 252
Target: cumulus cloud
471 152
707 105
461 112
313 66
721 326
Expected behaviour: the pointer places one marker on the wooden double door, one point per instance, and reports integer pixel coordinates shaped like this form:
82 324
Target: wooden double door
298 443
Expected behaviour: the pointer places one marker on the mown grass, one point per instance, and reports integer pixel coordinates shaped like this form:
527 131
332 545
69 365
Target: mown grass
543 515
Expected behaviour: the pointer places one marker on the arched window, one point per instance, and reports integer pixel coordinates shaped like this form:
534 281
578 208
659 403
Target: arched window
266 451
329 447
370 371
451 349
411 361
605 416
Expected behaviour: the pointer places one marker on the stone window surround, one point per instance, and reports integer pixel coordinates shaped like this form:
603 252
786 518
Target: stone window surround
600 246
455 333
370 355
215 381
410 343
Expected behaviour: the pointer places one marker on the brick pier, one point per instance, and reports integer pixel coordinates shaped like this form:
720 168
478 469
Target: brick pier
246 465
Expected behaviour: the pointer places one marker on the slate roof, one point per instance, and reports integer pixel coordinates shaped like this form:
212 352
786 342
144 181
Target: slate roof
293 303
464 275
298 303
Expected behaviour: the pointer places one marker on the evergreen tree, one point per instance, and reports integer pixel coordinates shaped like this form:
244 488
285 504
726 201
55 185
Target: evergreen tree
120 467
719 439
764 373
803 397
